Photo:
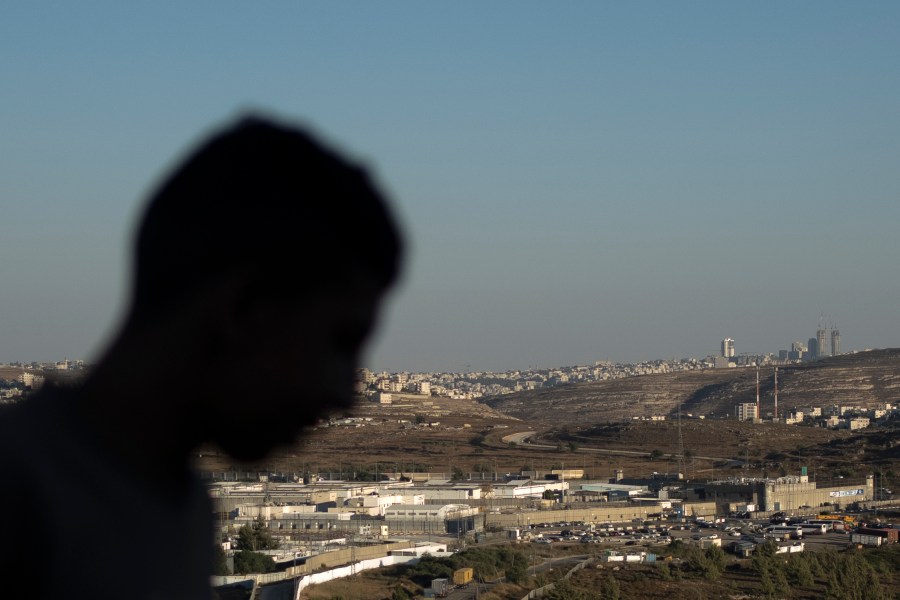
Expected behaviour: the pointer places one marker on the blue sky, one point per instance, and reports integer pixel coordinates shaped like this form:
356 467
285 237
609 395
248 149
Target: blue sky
578 181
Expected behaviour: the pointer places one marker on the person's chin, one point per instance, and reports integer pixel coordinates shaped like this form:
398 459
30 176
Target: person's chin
324 406
247 451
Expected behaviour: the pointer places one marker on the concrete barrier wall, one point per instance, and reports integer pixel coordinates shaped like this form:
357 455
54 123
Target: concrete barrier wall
349 570
258 578
361 555
347 555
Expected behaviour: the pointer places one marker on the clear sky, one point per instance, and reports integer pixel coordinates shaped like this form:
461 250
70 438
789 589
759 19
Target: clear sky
578 181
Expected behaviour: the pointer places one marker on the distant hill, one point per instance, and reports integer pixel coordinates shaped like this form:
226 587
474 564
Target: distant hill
863 379
10 373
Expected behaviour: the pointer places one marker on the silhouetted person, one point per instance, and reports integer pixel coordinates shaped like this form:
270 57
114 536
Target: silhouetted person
260 265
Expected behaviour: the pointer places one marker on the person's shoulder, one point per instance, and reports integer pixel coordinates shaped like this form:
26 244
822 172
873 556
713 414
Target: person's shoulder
27 424
14 417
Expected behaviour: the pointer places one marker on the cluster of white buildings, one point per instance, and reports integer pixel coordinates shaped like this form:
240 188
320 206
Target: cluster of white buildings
486 383
833 417
373 508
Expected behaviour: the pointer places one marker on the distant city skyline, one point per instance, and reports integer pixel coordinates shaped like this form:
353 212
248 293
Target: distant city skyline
726 350
598 181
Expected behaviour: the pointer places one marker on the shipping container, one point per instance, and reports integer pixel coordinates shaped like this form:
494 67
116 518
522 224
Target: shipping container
865 539
462 576
889 535
440 587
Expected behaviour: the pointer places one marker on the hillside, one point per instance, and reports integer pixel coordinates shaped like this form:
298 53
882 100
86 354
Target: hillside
596 417
864 379
10 373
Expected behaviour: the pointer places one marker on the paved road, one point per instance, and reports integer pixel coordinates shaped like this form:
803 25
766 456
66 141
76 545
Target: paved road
522 438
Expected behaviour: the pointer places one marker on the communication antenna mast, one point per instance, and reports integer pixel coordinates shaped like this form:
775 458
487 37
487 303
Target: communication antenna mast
757 389
776 393
680 443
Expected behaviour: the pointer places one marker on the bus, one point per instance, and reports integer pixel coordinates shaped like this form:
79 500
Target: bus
847 520
783 532
816 527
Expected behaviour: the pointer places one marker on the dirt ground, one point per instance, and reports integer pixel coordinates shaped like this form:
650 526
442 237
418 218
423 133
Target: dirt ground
466 437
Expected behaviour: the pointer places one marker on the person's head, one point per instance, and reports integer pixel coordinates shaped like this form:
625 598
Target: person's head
266 197
283 249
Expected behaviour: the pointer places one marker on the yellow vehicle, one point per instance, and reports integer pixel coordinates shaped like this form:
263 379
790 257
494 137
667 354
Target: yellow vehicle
849 520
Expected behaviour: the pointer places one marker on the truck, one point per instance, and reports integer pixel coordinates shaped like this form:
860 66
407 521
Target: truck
866 539
440 587
889 535
462 577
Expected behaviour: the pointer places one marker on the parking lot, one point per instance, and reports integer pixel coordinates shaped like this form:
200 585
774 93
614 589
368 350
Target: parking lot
661 533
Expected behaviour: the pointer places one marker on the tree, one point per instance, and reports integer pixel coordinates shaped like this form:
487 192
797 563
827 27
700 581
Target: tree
715 562
656 454
565 590
256 536
800 572
517 572
246 539
609 589
854 579
220 563
247 561
771 570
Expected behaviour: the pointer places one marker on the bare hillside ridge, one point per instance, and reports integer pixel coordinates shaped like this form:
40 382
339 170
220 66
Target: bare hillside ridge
864 379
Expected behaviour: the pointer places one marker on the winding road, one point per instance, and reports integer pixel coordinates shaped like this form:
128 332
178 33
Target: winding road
522 439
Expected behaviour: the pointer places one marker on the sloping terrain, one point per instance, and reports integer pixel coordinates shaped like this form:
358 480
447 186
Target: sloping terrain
864 379
10 373
578 424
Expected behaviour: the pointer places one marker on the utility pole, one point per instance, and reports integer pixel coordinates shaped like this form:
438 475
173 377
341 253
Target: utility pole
757 390
776 393
680 443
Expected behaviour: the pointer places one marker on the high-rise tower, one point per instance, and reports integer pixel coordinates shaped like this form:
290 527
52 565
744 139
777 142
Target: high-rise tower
821 342
835 341
728 348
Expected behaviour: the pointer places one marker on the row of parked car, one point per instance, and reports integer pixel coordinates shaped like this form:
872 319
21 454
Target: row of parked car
643 535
